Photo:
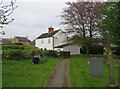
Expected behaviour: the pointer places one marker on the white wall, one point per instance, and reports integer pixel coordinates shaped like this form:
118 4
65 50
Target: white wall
74 49
59 37
45 44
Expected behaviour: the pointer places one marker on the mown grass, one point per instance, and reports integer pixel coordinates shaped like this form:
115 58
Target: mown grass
79 71
25 74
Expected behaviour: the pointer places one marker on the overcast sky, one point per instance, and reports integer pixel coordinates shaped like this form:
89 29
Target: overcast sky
33 17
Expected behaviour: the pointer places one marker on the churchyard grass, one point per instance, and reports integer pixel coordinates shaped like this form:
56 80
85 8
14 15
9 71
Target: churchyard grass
79 71
25 74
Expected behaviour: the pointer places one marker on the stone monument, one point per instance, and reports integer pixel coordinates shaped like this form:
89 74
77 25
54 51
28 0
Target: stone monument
96 67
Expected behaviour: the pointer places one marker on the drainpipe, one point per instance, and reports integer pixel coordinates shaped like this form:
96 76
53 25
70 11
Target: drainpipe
53 42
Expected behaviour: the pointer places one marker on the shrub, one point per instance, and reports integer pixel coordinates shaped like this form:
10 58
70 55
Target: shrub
37 51
12 44
5 47
12 54
27 54
19 52
23 47
94 49
51 53
116 50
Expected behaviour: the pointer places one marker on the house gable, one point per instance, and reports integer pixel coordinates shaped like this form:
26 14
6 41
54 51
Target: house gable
59 38
22 40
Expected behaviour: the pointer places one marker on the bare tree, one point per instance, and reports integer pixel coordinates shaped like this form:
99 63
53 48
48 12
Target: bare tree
81 19
5 12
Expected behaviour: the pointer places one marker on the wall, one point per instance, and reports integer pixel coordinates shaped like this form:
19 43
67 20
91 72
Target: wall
59 37
74 49
45 44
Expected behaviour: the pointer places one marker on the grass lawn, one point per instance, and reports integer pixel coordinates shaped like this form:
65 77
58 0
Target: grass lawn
25 74
79 70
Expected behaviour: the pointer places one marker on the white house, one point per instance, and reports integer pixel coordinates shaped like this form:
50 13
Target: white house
56 40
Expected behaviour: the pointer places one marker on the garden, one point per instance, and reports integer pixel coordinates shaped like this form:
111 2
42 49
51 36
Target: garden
18 70
17 67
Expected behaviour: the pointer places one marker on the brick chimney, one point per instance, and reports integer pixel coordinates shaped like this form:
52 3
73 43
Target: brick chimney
50 29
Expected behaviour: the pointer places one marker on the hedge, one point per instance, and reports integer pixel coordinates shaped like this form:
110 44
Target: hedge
51 53
12 54
21 52
23 47
12 44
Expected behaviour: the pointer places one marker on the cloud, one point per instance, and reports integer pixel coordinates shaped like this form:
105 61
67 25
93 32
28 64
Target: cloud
33 19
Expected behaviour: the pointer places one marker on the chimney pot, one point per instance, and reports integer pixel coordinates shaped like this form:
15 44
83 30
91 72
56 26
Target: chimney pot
50 29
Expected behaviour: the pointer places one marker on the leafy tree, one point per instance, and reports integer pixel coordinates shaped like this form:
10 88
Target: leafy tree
110 23
80 19
5 11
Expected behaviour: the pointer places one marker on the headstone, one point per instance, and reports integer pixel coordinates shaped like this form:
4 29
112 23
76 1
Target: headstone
96 67
36 59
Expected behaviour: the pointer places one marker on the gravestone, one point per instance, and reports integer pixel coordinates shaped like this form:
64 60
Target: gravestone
96 67
36 59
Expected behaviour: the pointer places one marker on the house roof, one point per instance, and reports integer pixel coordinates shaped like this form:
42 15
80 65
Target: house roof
45 35
63 45
32 43
6 40
22 39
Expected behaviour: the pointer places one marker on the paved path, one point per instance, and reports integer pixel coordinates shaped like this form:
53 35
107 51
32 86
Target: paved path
59 77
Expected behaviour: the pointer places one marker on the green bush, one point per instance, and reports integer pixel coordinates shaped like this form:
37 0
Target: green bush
12 44
51 53
116 50
27 54
94 49
5 47
12 54
23 47
22 52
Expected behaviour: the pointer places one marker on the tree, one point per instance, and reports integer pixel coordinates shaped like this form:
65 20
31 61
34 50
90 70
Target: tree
110 23
5 12
81 19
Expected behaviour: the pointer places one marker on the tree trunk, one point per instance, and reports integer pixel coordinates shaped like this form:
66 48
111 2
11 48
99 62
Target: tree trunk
87 51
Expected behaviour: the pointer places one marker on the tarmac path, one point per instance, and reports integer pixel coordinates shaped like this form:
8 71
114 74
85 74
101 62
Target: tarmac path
59 77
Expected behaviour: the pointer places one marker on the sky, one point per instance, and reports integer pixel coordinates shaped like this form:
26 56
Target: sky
33 17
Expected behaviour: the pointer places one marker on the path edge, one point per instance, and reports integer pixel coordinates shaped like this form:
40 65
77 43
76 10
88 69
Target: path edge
67 81
52 74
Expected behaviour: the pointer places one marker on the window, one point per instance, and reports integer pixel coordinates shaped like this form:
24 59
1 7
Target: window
42 42
55 37
48 40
